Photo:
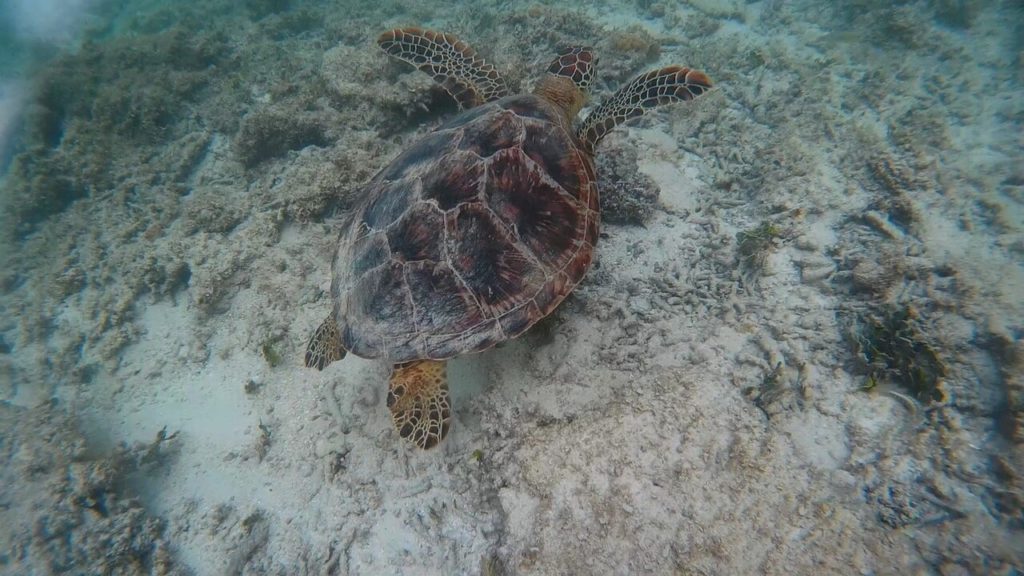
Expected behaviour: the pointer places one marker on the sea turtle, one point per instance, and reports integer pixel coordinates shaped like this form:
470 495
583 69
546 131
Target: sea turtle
479 229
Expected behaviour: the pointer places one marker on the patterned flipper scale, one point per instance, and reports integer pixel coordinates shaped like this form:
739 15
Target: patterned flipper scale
449 61
647 91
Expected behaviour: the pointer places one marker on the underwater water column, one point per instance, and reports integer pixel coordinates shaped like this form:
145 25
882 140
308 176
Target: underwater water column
11 101
30 31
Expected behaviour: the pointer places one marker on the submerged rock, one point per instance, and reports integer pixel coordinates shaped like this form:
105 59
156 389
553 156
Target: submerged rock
67 509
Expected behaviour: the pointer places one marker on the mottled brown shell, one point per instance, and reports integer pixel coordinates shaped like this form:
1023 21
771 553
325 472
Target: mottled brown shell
469 237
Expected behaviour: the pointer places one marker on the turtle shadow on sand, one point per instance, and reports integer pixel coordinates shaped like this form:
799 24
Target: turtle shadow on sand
479 229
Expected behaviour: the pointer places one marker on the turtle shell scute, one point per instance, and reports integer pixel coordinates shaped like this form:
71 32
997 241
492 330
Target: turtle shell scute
469 237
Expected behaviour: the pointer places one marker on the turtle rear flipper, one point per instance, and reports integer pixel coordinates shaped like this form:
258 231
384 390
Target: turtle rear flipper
418 400
657 87
449 61
324 345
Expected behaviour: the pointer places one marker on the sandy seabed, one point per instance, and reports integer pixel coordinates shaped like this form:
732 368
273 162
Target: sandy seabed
799 350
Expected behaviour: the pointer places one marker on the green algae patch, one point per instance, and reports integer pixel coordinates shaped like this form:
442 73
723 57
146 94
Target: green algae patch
896 348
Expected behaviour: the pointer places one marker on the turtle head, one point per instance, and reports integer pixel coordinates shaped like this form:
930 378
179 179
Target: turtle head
568 78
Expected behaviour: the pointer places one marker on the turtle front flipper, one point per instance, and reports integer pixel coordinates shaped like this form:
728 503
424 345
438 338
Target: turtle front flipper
449 61
324 345
657 87
418 400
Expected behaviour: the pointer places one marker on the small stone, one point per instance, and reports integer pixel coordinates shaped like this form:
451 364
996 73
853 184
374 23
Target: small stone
806 243
639 305
321 448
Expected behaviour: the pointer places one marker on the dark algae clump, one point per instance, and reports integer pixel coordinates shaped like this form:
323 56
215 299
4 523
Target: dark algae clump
895 348
756 244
